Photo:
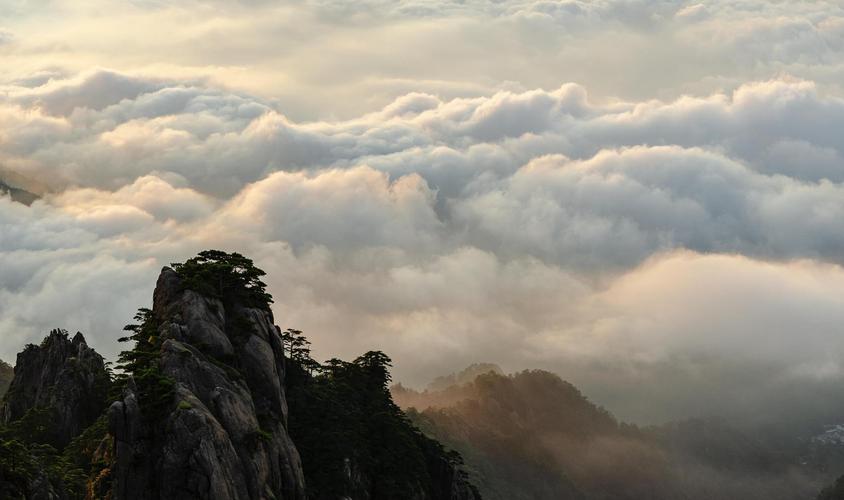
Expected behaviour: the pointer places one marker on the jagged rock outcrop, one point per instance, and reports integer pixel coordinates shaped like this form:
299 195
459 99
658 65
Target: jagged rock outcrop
223 434
448 482
63 376
7 373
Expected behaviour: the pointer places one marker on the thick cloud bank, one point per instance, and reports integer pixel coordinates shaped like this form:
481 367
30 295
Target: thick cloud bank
324 58
468 211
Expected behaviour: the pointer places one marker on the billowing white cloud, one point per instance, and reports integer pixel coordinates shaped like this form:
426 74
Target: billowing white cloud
337 209
151 195
220 141
619 207
547 174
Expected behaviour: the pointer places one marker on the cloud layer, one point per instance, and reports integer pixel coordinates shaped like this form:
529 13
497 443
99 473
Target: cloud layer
325 58
678 209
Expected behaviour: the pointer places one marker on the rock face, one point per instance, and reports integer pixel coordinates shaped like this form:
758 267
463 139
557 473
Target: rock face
63 375
224 434
7 373
448 482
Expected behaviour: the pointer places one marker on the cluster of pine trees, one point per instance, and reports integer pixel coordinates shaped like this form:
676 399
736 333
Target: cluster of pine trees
354 441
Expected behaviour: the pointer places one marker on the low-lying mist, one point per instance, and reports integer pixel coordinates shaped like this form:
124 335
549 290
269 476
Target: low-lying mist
532 435
747 392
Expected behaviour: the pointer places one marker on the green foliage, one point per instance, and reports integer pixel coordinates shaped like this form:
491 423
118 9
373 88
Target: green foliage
21 463
27 453
155 390
17 469
225 276
37 426
82 449
345 425
90 452
297 348
265 436
33 458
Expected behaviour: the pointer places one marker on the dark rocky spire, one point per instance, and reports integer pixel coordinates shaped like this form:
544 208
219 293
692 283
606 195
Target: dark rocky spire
224 434
60 375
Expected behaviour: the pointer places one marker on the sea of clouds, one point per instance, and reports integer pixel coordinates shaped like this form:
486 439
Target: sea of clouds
423 178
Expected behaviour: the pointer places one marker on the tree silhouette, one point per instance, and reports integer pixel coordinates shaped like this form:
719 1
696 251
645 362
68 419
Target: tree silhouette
225 275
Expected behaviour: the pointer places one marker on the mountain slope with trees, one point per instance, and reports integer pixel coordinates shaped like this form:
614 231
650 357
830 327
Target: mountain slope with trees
355 441
50 419
212 401
531 435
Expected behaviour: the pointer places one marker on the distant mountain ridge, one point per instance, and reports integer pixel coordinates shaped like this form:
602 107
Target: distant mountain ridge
533 436
20 188
17 194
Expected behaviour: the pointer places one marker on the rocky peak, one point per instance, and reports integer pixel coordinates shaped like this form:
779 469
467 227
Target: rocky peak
222 433
61 375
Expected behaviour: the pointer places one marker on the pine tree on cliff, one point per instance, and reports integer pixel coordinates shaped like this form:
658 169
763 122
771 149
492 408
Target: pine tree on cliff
225 275
203 413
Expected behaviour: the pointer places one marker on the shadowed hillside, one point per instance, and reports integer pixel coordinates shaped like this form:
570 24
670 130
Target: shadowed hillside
532 435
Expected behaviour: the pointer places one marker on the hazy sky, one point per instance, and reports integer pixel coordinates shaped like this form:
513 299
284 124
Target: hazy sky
596 187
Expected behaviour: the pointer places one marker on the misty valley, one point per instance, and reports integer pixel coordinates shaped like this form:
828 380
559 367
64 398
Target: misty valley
421 250
212 400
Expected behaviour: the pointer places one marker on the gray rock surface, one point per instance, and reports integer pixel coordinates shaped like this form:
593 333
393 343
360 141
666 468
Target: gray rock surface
62 374
7 373
448 483
224 435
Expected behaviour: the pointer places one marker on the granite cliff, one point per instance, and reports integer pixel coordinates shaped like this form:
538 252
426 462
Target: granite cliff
223 433
63 378
199 409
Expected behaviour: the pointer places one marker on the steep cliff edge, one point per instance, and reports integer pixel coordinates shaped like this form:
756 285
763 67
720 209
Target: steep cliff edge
222 434
62 377
200 409
7 373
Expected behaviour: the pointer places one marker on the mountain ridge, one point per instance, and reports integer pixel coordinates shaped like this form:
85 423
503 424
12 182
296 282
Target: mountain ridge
17 194
531 435
199 409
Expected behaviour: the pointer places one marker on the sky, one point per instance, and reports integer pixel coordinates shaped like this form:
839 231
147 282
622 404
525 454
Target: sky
644 196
